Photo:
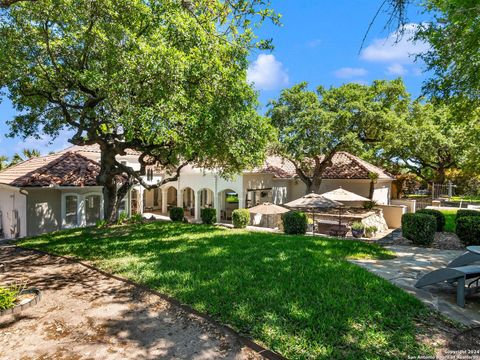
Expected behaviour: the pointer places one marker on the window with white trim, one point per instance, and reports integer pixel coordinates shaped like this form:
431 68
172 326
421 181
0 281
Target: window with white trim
71 210
93 209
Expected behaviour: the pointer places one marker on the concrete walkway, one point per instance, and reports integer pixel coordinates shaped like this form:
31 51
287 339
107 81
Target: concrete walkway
413 262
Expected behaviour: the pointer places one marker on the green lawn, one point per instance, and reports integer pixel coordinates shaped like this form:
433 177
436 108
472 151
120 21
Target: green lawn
450 216
296 295
471 198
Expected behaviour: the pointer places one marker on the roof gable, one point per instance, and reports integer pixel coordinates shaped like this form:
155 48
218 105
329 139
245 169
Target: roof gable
344 166
61 169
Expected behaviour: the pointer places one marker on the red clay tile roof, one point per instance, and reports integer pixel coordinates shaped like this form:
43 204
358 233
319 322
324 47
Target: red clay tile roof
95 149
60 169
344 166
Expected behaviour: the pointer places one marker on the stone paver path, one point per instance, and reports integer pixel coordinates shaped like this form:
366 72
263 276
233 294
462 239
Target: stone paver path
412 263
86 315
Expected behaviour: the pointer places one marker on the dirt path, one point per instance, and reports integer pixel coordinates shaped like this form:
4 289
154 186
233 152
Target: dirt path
86 315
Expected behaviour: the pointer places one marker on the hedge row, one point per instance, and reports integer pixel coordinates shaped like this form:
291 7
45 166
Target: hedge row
240 218
468 226
439 217
420 228
177 214
208 216
295 222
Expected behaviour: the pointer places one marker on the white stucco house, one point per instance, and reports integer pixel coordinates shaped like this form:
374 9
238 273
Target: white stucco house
59 191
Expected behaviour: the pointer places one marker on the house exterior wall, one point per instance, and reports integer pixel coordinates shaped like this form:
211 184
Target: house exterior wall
10 200
43 211
46 207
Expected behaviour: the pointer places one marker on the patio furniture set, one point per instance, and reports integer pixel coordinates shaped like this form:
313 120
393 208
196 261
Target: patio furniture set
464 272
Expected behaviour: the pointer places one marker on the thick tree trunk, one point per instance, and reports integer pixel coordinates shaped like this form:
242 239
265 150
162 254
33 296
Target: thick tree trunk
314 186
440 175
106 178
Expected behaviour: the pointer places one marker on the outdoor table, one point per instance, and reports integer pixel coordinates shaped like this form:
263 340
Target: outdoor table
474 249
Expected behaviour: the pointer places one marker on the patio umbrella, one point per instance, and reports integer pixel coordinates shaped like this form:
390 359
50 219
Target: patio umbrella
312 202
343 195
268 209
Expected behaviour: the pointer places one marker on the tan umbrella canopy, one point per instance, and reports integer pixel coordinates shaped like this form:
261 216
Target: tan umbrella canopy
268 209
313 202
343 195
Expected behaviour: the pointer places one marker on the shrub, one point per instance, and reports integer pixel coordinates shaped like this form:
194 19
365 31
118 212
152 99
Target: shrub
420 228
295 222
122 218
176 214
369 205
439 217
462 213
357 225
468 230
101 224
8 296
240 218
136 219
208 215
370 230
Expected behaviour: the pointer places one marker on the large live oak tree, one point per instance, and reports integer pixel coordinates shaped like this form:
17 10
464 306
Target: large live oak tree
427 141
313 126
454 54
166 78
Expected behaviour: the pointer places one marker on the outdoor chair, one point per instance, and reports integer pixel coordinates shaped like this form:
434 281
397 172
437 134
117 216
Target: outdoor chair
462 271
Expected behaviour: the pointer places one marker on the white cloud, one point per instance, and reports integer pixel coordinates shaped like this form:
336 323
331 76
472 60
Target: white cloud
396 69
267 73
348 72
398 48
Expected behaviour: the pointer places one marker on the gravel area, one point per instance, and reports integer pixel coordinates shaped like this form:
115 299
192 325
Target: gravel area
86 315
443 241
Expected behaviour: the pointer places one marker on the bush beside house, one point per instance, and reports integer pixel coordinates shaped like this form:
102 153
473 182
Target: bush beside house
208 216
177 214
295 222
420 228
468 230
240 218
439 217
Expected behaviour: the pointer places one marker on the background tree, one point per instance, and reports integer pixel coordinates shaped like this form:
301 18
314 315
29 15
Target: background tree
167 78
313 126
3 162
428 142
454 54
24 155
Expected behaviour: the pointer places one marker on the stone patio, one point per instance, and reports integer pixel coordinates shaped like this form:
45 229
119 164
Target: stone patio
413 262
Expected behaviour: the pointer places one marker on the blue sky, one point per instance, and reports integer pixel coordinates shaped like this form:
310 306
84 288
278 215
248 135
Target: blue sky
319 43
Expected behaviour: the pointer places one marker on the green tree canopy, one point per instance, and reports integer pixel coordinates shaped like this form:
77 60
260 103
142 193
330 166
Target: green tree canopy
428 141
167 78
313 126
454 55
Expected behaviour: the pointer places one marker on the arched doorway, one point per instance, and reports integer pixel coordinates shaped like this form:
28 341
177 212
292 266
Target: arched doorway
188 196
228 201
170 198
152 200
206 198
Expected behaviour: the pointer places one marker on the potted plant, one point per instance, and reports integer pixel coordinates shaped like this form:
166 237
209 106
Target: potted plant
370 231
357 229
